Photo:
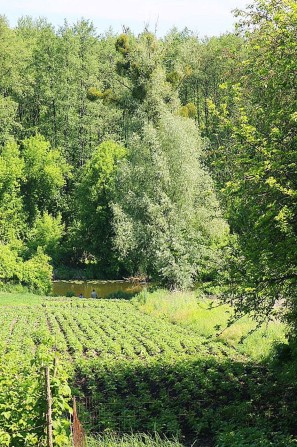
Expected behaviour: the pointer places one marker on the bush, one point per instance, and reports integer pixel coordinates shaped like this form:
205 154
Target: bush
47 233
132 440
254 437
120 295
283 352
37 273
70 294
10 264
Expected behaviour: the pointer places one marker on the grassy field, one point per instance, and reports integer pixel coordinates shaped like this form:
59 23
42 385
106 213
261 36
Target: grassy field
20 299
152 365
208 318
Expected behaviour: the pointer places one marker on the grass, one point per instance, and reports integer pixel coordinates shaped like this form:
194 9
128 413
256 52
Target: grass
19 299
27 299
133 440
197 314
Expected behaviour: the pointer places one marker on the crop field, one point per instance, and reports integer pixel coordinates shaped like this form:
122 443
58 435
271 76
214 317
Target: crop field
82 334
91 329
130 371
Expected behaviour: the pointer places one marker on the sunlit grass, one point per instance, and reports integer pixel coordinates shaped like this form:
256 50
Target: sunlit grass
133 440
27 299
210 320
19 299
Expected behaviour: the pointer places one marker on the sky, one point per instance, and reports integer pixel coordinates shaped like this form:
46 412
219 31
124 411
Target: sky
204 17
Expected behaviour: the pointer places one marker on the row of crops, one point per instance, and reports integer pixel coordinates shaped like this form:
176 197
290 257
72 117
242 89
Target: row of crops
25 351
76 333
106 330
129 371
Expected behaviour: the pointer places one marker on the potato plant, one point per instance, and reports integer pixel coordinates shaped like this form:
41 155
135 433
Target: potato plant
140 373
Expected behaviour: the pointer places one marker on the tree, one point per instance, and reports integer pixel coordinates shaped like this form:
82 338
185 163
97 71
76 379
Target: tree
196 68
166 217
45 172
94 194
12 216
258 137
46 233
34 270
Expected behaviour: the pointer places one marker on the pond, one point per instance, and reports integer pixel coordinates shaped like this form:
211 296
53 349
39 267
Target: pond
103 288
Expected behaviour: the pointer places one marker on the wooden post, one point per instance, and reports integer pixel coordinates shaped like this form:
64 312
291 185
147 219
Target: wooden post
55 364
49 421
78 433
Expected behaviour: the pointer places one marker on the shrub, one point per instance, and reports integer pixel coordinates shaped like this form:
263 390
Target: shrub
254 437
120 295
70 293
10 264
37 273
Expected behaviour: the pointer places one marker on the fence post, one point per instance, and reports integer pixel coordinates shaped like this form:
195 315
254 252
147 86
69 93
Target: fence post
49 422
78 433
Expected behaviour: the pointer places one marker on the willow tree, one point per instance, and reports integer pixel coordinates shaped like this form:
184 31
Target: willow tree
166 216
167 220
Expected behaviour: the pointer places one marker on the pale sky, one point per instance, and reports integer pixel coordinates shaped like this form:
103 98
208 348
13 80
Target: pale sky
205 17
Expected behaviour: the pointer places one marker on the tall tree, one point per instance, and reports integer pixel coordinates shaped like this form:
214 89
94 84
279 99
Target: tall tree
45 172
258 135
94 194
166 217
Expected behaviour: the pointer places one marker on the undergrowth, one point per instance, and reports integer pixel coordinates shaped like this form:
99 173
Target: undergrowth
131 440
209 318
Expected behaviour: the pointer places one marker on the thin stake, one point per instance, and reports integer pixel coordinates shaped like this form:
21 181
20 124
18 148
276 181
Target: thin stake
49 421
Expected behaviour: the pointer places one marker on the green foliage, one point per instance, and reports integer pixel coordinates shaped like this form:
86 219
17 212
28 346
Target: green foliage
136 440
94 194
188 111
240 91
8 122
37 273
45 171
93 94
10 264
120 295
122 44
254 437
46 233
11 206
139 370
174 78
166 217
209 318
144 76
30 183
256 129
23 401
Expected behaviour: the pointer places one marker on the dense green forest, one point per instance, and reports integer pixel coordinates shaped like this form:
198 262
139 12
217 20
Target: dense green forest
169 159
172 158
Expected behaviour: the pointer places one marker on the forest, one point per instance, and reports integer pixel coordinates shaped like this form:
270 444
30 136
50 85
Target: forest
172 159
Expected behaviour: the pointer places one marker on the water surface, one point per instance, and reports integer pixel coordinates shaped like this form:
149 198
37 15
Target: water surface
103 288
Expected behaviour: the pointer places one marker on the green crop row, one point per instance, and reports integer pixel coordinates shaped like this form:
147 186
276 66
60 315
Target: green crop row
26 349
80 332
131 372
